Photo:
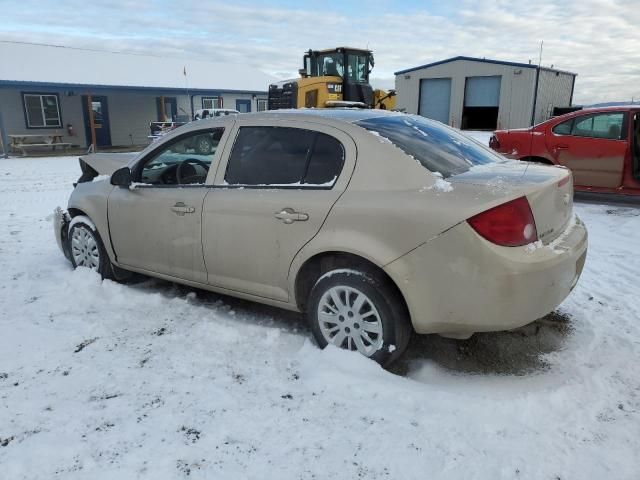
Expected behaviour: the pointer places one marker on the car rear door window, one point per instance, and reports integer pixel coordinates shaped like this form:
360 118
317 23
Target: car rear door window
600 125
283 156
326 161
563 128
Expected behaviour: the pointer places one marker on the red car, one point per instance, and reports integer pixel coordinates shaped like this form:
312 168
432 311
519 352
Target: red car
601 146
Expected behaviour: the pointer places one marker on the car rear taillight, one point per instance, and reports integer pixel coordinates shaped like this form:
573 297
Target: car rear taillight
564 181
494 143
510 224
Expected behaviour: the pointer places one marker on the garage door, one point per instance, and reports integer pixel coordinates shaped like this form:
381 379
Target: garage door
482 92
435 98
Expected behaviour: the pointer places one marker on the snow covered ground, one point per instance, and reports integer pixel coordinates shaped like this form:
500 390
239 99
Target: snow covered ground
100 380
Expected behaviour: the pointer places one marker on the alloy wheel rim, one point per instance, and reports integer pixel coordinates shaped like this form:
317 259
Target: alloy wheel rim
349 319
84 248
204 145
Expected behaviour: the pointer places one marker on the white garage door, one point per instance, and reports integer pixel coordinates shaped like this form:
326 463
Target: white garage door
482 92
435 98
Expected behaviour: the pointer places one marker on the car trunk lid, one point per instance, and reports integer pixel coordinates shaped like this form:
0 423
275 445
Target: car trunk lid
548 189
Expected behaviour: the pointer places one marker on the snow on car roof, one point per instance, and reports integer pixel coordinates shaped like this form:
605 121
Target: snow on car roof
28 62
350 115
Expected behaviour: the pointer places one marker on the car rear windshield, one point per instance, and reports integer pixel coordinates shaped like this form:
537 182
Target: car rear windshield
437 147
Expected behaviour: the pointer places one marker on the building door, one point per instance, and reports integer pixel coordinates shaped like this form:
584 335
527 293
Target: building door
435 99
100 120
481 103
167 108
243 106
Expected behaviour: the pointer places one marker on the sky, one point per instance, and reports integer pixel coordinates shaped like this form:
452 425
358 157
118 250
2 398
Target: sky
597 39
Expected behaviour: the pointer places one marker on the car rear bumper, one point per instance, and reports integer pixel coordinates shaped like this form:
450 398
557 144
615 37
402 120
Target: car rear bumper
459 283
61 221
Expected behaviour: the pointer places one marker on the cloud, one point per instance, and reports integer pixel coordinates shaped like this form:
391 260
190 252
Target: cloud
598 39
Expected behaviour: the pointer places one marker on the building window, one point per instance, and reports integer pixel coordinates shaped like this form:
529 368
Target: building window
211 102
41 110
262 104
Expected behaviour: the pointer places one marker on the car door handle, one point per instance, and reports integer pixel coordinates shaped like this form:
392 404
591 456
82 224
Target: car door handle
289 215
180 209
562 146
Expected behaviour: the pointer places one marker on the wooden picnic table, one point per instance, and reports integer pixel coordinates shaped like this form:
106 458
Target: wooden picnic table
27 140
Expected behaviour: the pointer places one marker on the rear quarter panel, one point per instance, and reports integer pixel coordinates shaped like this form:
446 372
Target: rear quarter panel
519 144
513 143
393 205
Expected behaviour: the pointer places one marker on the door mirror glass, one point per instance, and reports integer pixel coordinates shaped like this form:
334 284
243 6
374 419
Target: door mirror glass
121 177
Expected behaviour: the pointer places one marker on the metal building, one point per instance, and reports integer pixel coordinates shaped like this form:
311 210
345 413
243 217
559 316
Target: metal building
479 94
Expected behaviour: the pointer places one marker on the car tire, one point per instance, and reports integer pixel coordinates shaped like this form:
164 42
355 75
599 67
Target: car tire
361 311
86 248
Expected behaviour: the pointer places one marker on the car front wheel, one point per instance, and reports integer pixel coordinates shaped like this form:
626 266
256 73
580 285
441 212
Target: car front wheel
359 311
86 247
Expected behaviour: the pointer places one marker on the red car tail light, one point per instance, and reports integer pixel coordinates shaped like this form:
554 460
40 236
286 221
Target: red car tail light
510 224
494 143
564 181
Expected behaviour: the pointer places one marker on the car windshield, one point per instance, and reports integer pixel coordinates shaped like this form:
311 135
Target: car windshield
435 146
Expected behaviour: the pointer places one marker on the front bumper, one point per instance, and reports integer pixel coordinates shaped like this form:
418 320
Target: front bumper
61 221
459 283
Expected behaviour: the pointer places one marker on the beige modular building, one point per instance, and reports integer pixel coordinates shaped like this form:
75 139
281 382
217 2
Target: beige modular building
480 94
48 90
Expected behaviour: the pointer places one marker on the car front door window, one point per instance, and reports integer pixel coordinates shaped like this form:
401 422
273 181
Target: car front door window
185 161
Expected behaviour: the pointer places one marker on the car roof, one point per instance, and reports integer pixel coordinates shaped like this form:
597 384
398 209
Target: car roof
611 107
349 115
587 111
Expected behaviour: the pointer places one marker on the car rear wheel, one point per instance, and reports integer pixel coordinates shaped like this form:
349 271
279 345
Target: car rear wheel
359 311
86 247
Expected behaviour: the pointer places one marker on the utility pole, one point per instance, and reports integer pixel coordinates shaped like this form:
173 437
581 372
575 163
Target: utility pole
186 86
540 58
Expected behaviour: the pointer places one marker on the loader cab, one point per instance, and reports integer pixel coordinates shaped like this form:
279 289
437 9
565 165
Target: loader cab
351 64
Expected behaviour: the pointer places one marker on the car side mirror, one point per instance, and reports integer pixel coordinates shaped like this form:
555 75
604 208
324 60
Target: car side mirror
121 177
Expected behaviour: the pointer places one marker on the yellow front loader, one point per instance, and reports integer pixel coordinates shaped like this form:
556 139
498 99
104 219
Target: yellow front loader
332 78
